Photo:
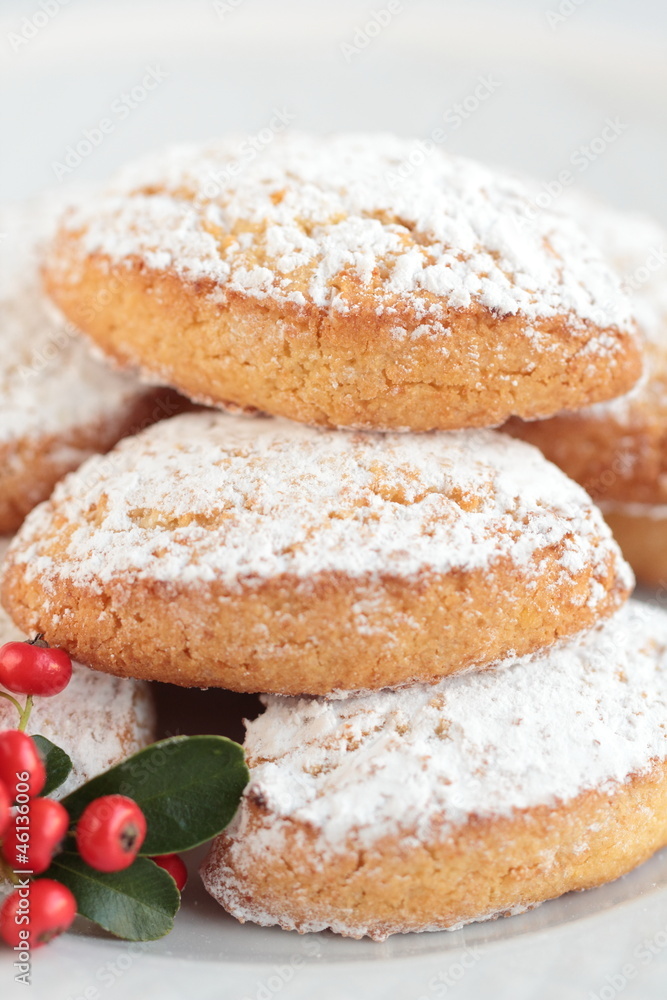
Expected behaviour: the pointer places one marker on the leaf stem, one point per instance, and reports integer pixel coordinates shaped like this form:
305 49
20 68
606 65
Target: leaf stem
23 710
15 703
25 714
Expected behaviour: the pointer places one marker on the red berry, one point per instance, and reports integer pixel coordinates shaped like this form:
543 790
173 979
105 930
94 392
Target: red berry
110 833
5 804
49 907
21 768
34 835
34 668
174 864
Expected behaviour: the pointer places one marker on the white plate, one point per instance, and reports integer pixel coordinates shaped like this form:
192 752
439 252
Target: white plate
554 89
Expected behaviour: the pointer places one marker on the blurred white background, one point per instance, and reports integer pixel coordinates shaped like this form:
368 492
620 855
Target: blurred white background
560 69
533 84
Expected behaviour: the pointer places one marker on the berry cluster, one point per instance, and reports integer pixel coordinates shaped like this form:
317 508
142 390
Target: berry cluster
33 828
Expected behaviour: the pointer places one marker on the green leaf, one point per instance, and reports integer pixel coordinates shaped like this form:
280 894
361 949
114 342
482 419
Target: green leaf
138 904
57 763
188 787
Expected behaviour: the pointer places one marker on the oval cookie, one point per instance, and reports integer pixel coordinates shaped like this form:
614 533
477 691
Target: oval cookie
618 450
263 555
324 282
431 807
57 404
97 720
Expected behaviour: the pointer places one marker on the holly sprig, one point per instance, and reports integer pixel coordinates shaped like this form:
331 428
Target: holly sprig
188 789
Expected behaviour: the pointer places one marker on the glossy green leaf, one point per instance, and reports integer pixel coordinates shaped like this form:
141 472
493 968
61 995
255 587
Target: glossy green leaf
189 788
57 763
138 904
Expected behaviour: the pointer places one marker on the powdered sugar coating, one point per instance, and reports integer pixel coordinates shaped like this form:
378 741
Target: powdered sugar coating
208 496
586 714
49 384
307 216
636 246
98 720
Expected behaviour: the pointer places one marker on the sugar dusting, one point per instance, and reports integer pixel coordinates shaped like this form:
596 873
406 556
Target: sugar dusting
209 496
586 713
419 762
49 384
98 719
314 219
636 246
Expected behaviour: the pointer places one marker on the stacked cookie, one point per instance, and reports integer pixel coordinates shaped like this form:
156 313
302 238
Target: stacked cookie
618 450
521 751
57 404
98 720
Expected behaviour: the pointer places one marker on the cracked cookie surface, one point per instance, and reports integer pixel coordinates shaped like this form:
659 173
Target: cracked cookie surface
430 807
264 555
316 283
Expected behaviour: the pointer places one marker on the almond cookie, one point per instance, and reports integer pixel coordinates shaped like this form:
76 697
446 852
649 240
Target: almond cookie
618 450
430 807
336 281
57 404
264 555
97 720
641 531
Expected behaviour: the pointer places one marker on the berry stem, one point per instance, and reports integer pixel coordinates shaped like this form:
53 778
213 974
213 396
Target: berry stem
25 713
17 705
38 641
7 873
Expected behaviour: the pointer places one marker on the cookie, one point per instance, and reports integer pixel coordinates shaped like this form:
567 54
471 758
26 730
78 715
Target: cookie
57 404
618 450
430 807
641 531
97 720
336 281
264 555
